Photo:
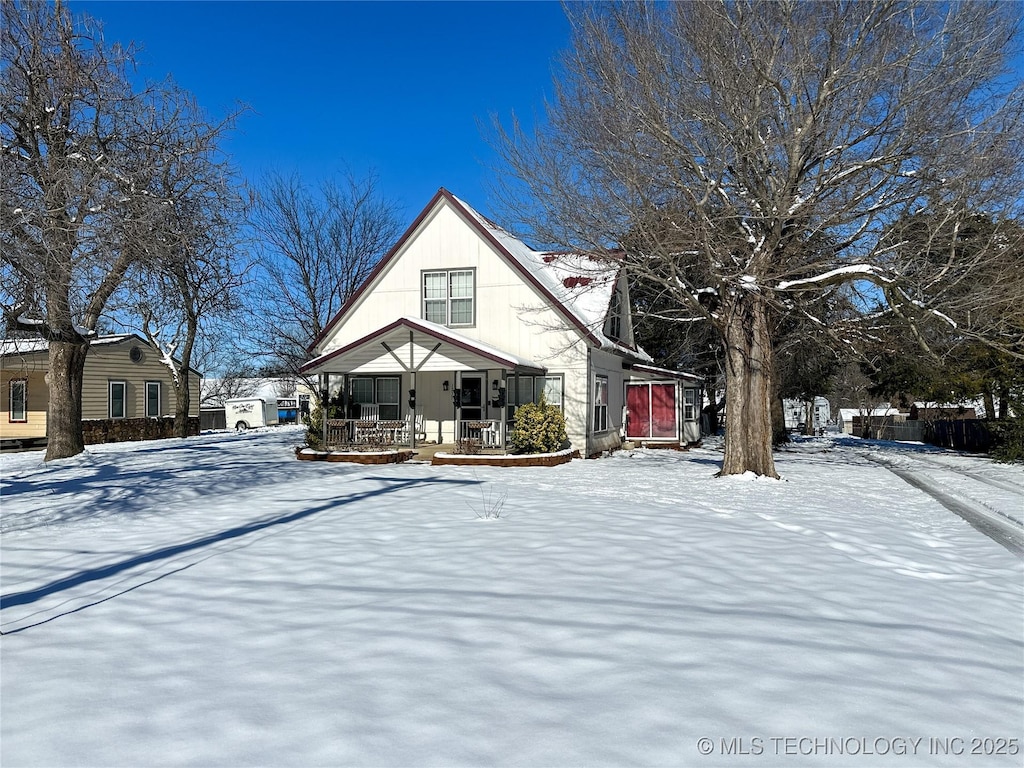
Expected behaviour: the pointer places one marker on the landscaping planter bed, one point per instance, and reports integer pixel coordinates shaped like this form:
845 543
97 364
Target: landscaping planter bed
355 457
524 460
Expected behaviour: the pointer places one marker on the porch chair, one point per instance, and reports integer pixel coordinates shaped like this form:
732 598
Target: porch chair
490 435
366 428
403 436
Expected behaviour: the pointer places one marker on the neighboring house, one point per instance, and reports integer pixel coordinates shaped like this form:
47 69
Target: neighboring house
124 378
852 418
461 323
796 412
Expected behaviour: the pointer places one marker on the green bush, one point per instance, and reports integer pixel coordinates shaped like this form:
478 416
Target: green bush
314 422
538 428
1008 440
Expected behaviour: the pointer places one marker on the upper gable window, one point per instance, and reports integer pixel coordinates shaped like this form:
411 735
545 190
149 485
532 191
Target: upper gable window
614 325
449 297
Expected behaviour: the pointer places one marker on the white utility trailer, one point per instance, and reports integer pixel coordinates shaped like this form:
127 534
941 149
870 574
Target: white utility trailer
248 412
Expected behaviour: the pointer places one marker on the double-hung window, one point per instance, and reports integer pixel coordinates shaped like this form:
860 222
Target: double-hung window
383 391
153 409
601 404
690 404
449 297
118 391
19 400
528 389
388 396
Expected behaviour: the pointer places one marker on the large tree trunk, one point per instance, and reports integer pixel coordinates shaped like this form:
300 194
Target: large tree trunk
748 388
990 403
64 412
780 435
184 402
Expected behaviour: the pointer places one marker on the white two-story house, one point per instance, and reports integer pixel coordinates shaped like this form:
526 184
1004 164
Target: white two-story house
461 323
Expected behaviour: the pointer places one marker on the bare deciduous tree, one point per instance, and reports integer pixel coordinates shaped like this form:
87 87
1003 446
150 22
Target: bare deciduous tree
316 247
84 163
198 272
758 154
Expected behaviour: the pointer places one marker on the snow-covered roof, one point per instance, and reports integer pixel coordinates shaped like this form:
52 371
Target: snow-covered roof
397 333
581 283
253 387
9 347
658 371
881 410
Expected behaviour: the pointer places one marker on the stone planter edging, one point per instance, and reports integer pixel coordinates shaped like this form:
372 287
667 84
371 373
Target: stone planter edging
524 460
385 457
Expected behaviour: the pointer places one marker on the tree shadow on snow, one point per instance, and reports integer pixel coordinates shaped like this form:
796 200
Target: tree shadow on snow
27 597
112 487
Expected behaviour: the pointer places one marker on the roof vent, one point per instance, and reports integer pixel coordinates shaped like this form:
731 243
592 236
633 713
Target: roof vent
135 354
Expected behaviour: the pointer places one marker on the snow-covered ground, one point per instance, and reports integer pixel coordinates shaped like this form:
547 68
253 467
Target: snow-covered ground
215 602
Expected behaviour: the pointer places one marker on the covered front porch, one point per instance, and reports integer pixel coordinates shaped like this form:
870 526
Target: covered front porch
415 383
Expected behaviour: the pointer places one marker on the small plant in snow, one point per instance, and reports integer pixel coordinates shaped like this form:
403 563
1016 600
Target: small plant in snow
492 502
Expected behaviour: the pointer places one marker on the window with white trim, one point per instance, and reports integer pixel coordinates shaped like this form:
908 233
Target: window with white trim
689 404
117 394
614 326
601 404
388 395
153 409
448 297
18 400
384 391
530 388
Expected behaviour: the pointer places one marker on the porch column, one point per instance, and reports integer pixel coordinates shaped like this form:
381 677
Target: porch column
412 412
412 394
324 395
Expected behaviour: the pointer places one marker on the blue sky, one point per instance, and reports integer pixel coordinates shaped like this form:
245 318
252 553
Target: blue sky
399 87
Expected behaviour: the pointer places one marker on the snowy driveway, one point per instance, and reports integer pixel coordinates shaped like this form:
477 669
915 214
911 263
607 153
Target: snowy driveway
215 602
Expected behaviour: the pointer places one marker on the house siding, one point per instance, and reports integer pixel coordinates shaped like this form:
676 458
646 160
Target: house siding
513 312
509 314
606 364
508 311
26 368
104 363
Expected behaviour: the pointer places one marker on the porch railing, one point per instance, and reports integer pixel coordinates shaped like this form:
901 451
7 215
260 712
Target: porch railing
368 434
480 434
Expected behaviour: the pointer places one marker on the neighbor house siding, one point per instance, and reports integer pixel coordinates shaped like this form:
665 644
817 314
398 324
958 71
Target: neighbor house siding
36 391
105 362
112 362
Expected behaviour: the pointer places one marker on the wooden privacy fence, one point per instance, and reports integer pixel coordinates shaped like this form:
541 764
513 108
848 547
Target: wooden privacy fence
958 434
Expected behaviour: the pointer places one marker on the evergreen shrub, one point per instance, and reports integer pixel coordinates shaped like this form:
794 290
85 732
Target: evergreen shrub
538 428
314 421
1008 439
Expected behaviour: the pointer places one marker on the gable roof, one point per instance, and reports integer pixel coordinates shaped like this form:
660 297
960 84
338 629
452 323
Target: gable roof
387 349
29 346
577 285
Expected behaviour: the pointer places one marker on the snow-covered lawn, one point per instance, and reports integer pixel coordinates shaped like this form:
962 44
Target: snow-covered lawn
215 602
